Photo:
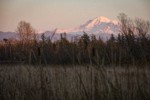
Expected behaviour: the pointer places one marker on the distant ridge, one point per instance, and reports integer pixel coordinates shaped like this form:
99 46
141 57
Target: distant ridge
99 26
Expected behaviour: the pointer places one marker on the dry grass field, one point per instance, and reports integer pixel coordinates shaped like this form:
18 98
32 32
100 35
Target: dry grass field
23 82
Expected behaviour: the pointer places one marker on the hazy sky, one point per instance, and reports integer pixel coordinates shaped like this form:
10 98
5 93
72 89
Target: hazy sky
49 14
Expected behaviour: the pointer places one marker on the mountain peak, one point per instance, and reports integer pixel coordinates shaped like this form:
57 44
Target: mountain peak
96 21
102 19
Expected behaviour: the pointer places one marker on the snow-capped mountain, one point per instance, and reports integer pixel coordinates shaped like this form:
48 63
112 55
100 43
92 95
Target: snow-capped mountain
99 26
99 22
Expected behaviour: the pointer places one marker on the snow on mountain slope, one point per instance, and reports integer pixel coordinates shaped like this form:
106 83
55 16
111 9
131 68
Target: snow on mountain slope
97 21
100 26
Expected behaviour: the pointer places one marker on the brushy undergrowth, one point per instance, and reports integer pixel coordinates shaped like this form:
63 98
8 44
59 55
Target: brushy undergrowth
22 82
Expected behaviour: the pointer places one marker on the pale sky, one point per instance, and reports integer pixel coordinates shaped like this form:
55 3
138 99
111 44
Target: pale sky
49 14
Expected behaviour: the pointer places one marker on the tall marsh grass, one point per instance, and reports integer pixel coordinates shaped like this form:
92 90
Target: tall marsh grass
23 82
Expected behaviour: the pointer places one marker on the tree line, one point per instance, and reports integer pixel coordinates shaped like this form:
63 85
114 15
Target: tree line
130 47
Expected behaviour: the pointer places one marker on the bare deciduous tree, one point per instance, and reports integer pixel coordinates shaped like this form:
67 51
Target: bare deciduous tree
25 31
142 27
